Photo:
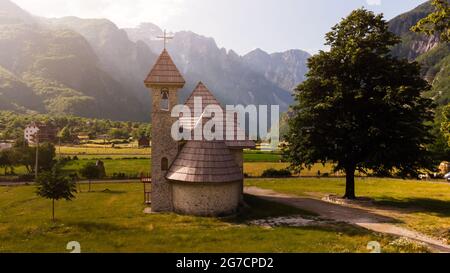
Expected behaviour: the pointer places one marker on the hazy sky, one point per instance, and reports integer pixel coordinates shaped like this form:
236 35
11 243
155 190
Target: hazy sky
241 25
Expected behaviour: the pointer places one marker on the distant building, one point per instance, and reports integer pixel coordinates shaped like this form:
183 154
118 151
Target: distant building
83 137
101 167
46 133
104 137
144 142
444 168
4 146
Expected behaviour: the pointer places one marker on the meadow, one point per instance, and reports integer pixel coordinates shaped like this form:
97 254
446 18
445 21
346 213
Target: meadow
111 219
130 161
105 150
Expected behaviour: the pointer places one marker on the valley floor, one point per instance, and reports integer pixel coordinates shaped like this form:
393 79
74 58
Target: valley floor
111 219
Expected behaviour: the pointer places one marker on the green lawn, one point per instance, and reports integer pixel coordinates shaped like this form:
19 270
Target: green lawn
132 161
259 156
110 219
135 164
427 203
255 169
129 167
102 150
90 151
133 167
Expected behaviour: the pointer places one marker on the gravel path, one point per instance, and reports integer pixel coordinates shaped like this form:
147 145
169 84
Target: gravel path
356 216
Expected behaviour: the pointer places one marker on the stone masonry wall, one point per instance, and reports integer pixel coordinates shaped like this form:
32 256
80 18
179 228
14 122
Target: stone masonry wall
206 199
163 145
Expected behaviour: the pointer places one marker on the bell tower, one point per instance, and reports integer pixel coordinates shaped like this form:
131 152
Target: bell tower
164 81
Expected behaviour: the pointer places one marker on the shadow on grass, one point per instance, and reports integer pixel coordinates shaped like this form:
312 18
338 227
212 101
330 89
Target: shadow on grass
439 207
95 226
332 211
108 191
257 208
105 191
339 227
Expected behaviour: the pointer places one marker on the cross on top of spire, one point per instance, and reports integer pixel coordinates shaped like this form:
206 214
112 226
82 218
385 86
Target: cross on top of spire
165 38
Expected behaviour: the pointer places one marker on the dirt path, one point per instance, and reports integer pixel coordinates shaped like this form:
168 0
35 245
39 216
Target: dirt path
357 216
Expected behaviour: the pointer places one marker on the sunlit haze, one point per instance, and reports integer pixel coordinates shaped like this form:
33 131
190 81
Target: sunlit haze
242 25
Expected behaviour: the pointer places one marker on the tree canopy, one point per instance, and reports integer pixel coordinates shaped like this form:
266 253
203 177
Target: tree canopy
360 107
52 185
445 125
437 22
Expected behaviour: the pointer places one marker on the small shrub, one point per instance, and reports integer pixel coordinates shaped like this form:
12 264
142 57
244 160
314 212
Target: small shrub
26 178
273 173
119 176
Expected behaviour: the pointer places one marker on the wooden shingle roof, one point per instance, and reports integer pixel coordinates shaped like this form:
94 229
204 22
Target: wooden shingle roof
164 72
239 140
201 91
205 162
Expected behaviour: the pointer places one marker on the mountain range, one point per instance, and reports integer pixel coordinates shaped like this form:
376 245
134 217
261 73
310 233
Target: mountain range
92 68
432 55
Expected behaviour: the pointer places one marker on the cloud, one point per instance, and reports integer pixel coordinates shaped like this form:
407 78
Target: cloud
124 13
373 2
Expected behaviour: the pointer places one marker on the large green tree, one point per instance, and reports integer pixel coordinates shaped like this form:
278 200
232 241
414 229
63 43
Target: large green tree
360 107
437 22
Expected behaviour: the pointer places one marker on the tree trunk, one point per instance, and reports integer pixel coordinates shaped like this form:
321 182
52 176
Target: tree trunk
53 210
350 183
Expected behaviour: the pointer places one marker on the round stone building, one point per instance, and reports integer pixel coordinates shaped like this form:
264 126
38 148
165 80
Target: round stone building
205 179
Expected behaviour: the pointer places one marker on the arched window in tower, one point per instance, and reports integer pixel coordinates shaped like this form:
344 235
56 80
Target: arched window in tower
164 164
165 99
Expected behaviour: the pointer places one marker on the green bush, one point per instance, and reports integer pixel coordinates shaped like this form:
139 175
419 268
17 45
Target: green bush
26 178
273 173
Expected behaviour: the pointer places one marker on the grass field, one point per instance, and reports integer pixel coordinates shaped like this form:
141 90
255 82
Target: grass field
112 221
136 164
88 151
100 150
132 167
258 156
132 161
129 167
255 169
426 204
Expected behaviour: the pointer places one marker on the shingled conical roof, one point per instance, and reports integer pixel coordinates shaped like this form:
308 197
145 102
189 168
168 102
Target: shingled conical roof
205 162
165 72
231 128
201 91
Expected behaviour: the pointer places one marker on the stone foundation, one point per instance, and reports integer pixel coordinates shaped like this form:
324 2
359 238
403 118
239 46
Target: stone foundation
206 199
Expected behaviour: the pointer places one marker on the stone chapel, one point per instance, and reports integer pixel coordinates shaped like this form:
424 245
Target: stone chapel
194 177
